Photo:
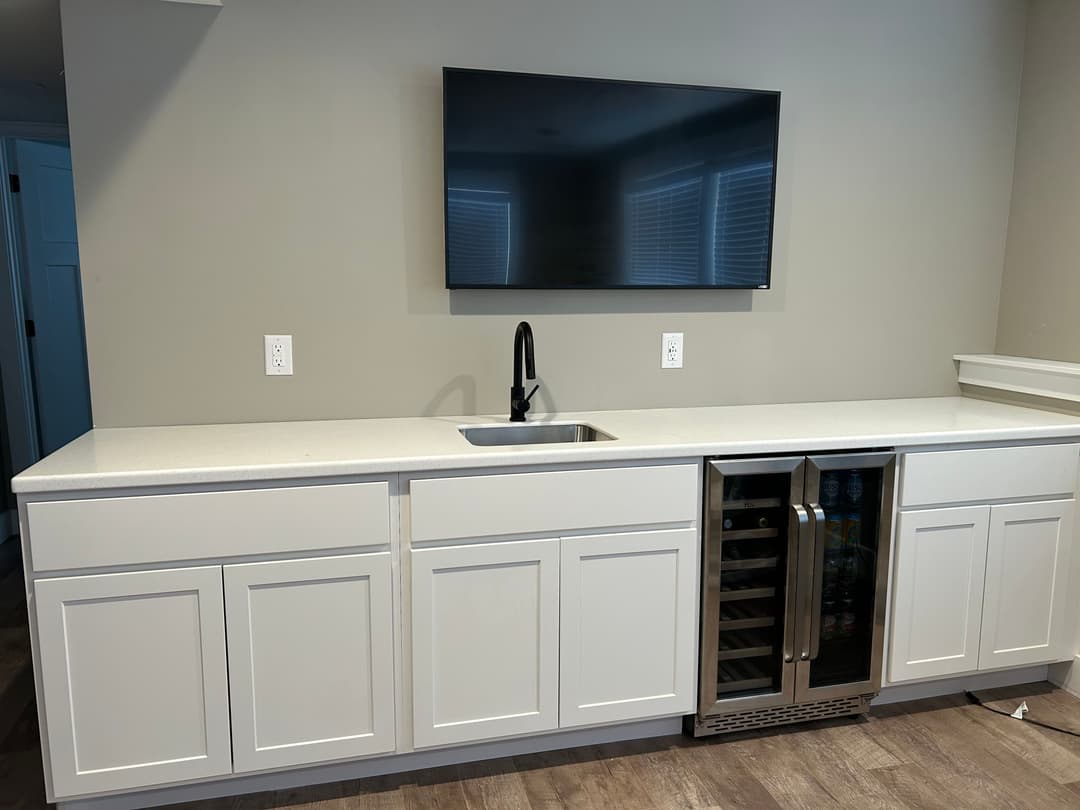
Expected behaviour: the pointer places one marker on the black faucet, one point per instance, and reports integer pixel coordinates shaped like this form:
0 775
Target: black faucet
523 343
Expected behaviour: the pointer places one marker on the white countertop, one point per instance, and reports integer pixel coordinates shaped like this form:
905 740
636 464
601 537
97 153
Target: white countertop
211 454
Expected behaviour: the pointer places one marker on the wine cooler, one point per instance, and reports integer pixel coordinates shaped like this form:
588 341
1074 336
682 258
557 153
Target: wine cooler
796 557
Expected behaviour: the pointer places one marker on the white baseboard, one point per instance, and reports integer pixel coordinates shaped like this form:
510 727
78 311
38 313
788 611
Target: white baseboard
361 769
1066 675
965 683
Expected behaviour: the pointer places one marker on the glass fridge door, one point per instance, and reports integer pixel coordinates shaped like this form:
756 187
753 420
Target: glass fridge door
754 524
843 605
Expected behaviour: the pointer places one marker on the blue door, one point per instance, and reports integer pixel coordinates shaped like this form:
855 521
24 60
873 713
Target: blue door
53 292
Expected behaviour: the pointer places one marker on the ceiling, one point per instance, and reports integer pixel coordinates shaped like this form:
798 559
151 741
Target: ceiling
30 48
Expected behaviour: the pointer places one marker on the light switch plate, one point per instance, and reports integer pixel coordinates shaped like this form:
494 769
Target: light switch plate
278 351
671 350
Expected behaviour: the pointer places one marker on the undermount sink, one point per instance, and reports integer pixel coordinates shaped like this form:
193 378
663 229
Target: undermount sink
536 433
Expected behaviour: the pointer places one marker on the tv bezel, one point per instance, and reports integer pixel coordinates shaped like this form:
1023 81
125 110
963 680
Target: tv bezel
446 187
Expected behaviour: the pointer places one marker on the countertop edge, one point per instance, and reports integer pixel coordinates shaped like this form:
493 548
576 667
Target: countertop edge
37 484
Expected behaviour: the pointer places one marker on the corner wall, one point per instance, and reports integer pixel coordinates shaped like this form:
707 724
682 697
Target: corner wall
1040 291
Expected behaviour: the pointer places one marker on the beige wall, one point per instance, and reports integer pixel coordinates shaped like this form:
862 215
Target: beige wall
1040 291
275 166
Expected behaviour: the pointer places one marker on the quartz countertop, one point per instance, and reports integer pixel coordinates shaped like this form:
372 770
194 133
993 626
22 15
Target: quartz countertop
220 454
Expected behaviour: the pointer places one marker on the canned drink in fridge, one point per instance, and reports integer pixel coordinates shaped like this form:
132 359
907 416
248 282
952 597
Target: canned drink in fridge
834 531
852 530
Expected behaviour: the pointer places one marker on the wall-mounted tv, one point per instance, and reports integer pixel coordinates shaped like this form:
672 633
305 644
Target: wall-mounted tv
555 182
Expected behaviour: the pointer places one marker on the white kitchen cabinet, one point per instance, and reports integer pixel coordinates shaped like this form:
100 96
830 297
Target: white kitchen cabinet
1024 608
88 532
554 502
134 678
485 625
627 626
938 592
311 660
987 474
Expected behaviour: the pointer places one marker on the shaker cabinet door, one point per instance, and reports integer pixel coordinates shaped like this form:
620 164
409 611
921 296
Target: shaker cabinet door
311 660
134 678
485 626
628 626
1027 563
938 592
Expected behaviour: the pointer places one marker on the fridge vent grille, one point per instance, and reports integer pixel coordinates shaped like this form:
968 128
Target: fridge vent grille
780 715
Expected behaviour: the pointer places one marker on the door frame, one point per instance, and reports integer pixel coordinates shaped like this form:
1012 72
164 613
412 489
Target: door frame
15 368
51 278
16 358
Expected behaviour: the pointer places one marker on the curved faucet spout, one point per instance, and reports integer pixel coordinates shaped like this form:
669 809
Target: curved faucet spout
523 348
523 339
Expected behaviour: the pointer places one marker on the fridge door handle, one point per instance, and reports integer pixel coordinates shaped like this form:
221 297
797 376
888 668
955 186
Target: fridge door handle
812 637
797 537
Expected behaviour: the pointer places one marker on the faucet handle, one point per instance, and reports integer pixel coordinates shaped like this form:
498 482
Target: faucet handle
519 403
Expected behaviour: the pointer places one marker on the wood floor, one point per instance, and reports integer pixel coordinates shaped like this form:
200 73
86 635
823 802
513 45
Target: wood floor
20 762
937 753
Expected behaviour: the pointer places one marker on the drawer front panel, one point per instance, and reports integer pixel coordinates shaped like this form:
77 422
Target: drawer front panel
991 474
199 525
564 500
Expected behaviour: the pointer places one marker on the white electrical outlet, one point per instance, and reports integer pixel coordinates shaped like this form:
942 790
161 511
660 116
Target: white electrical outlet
671 350
278 355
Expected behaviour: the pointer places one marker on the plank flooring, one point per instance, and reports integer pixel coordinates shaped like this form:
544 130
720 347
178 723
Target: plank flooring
939 753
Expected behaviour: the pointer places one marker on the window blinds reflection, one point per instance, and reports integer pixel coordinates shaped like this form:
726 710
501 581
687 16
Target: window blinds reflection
665 234
709 229
740 255
478 236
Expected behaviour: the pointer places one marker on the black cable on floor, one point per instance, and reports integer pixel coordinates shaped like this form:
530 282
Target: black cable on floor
973 698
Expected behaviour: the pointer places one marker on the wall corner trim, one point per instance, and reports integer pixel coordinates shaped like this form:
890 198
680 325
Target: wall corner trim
1066 675
1052 379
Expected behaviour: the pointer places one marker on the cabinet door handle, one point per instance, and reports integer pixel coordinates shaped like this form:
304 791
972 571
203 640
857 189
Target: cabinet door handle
797 532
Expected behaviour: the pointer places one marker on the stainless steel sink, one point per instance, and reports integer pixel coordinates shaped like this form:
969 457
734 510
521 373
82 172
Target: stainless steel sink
535 433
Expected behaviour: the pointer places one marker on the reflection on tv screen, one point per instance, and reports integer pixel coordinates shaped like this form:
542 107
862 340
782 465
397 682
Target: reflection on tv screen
562 183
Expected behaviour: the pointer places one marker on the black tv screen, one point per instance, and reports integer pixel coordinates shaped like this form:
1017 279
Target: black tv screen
555 182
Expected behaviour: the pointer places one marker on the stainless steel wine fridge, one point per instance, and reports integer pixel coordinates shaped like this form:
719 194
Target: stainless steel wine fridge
796 557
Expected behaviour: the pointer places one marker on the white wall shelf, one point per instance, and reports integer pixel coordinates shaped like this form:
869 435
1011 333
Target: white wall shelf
1042 378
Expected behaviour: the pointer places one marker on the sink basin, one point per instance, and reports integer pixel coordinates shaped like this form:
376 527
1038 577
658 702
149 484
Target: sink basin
536 433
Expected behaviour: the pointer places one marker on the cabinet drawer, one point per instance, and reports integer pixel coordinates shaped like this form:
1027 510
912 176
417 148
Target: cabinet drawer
200 525
518 503
991 474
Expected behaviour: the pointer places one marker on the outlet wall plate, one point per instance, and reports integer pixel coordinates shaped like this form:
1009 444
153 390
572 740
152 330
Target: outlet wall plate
278 355
671 350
